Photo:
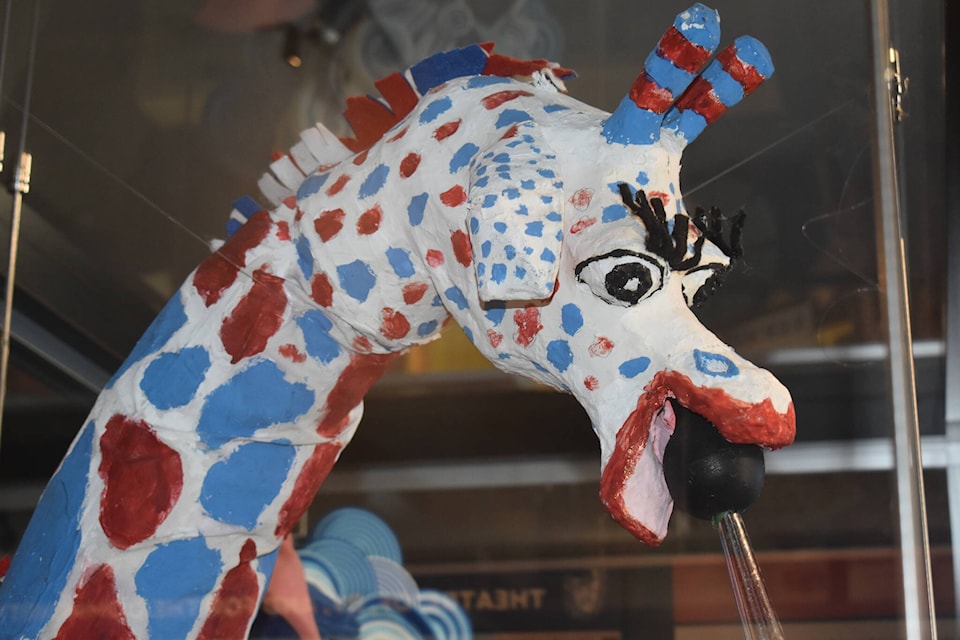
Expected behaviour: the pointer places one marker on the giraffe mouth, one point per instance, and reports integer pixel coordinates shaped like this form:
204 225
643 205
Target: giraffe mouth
633 487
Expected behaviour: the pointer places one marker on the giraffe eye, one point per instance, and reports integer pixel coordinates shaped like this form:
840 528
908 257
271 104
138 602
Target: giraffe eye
621 277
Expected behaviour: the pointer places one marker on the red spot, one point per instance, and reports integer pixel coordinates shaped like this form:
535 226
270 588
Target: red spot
461 247
283 230
338 186
736 420
256 318
591 383
353 383
394 325
291 352
369 221
660 195
454 196
581 198
528 325
236 600
446 130
361 344
434 257
329 223
580 225
218 272
647 94
508 67
601 347
409 165
96 609
414 291
4 565
494 100
298 215
360 158
290 202
306 486
684 54
494 338
142 479
321 291
512 131
398 135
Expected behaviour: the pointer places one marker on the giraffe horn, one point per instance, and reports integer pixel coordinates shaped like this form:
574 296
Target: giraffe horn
735 73
667 72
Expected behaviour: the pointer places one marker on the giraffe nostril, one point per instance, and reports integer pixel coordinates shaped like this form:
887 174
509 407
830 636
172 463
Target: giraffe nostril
706 474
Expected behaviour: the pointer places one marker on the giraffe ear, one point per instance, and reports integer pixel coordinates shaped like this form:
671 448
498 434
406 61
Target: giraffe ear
516 220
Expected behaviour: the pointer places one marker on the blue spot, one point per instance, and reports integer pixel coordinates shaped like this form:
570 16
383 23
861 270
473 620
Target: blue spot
416 208
512 116
304 257
571 319
482 182
551 108
489 200
512 193
553 216
520 273
485 248
528 184
375 181
672 188
357 279
436 302
642 178
48 548
501 158
481 269
255 398
399 259
546 173
500 227
247 206
477 82
714 364
433 110
312 185
238 489
504 169
427 328
510 251
633 368
498 273
503 356
467 332
474 224
547 256
315 327
167 323
173 597
535 229
540 367
546 199
559 354
455 295
522 210
463 156
495 314
172 379
613 212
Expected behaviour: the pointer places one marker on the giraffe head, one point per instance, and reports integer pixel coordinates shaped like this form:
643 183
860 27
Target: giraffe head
592 294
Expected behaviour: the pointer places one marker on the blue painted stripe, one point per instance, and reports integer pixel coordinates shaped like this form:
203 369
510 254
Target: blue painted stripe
441 67
630 125
728 90
700 25
754 53
247 206
667 75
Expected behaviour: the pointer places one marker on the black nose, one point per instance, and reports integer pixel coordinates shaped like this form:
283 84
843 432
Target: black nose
706 474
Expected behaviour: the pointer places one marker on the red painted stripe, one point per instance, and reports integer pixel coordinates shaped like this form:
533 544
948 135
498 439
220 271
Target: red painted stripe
96 610
701 98
306 486
747 75
236 600
686 55
353 383
218 272
647 94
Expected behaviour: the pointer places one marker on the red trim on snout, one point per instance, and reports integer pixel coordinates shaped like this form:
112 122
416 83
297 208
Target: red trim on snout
738 421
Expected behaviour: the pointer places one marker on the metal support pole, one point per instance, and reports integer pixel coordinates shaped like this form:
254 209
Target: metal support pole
914 546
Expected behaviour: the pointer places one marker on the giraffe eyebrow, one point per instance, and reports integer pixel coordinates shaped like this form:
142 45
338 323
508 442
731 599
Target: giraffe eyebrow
672 245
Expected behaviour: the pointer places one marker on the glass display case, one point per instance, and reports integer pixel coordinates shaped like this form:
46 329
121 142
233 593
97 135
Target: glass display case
146 120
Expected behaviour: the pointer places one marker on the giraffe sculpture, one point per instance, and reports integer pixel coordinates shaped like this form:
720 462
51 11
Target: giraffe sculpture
554 233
